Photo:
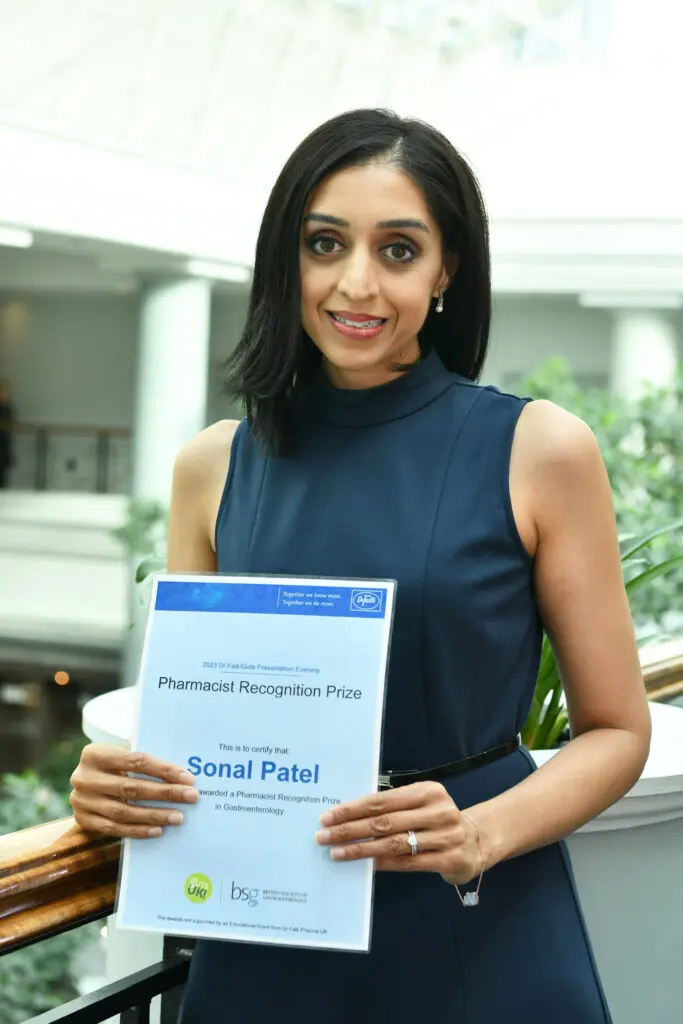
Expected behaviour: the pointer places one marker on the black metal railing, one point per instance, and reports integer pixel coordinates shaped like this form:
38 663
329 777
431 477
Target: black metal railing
60 457
131 996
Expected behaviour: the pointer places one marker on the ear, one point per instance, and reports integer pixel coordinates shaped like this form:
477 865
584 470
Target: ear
450 269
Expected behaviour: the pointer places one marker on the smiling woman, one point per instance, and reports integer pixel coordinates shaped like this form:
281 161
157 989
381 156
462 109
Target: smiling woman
381 222
367 278
370 452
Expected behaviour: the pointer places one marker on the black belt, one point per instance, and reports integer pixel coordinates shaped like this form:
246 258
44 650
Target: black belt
391 780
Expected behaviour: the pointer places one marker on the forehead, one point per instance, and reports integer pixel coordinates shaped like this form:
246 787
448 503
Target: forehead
370 193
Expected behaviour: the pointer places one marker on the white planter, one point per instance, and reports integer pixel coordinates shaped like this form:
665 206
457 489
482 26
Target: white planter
628 864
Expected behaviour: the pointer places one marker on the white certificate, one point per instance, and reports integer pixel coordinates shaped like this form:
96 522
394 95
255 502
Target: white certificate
270 691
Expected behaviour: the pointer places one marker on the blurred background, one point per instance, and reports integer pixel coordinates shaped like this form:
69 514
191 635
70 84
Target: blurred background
139 140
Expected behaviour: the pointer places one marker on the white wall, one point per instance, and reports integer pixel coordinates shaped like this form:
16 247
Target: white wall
527 331
75 360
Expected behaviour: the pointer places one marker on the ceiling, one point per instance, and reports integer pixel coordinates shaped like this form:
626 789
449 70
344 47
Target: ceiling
65 263
227 86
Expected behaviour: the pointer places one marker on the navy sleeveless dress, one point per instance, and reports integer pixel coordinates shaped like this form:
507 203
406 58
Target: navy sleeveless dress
410 481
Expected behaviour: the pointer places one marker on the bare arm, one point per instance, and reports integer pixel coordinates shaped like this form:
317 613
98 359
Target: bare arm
198 481
585 610
102 788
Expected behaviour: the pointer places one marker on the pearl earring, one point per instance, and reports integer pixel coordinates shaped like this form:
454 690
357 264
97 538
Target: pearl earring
439 304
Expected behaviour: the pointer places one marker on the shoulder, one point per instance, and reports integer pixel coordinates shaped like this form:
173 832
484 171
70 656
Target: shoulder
559 458
206 456
488 396
554 439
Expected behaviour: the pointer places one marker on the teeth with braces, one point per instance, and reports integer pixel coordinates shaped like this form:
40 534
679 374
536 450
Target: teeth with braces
358 323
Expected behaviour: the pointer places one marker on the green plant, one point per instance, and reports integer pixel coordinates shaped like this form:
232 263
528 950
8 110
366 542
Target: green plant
548 717
640 441
56 766
28 800
640 444
143 534
37 978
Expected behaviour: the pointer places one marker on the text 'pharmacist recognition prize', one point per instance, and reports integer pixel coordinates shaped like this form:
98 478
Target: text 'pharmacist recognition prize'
270 691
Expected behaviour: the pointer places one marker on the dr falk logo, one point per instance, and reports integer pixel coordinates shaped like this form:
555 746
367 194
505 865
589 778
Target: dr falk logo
366 600
246 894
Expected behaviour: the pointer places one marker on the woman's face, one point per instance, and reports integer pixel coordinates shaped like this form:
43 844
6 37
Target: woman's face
371 255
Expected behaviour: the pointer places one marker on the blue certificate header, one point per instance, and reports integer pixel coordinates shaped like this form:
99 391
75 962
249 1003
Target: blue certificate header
270 599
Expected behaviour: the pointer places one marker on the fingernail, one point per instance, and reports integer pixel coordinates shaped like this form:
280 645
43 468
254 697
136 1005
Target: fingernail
323 836
190 796
175 818
338 853
327 818
185 777
154 833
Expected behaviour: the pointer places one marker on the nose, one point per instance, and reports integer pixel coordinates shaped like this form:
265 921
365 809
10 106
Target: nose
358 280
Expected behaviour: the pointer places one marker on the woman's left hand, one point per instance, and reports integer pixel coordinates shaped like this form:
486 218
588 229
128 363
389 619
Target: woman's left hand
447 839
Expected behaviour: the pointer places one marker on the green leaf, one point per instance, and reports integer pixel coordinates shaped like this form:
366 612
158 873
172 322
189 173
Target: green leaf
653 573
560 725
148 566
550 715
661 531
651 638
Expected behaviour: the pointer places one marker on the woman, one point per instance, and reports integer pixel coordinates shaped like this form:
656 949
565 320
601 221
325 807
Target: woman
370 451
6 429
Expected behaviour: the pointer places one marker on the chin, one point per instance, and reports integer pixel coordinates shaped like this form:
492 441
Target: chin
350 359
356 354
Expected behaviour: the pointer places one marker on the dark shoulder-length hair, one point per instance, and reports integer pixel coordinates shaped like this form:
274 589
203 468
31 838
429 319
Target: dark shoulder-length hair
274 355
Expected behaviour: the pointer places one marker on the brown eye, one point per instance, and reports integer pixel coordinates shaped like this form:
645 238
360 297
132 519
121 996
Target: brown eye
323 245
400 252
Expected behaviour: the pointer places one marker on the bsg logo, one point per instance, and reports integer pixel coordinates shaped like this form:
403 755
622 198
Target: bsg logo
248 895
366 600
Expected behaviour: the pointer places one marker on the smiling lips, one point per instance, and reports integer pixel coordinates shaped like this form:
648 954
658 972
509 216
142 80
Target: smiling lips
357 325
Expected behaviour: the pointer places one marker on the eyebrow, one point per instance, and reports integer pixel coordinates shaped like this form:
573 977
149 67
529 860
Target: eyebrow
404 222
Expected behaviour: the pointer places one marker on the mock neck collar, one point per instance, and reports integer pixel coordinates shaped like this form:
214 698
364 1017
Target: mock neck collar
411 390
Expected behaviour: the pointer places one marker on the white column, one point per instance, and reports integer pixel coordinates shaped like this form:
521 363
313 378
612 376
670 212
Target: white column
644 350
173 366
645 346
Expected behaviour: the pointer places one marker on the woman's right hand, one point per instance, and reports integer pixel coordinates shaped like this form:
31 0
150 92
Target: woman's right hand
103 789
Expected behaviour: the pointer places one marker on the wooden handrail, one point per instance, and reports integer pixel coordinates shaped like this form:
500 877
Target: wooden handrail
52 878
663 671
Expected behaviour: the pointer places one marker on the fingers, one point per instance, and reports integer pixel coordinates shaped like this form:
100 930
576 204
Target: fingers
376 827
102 789
126 788
425 862
396 847
384 825
378 804
109 758
124 814
422 806
95 823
